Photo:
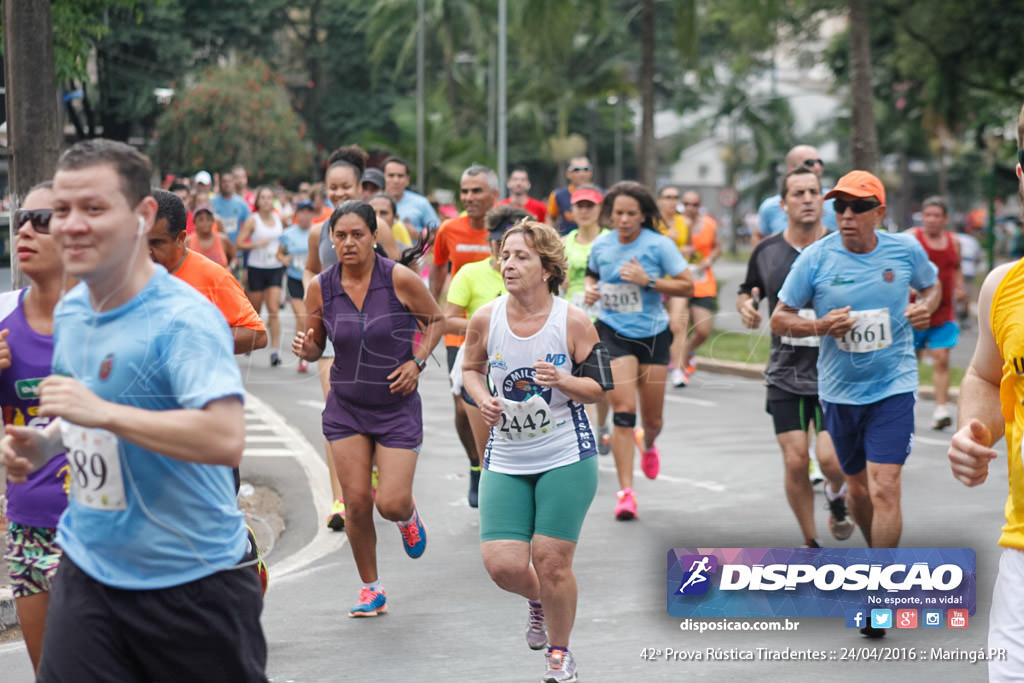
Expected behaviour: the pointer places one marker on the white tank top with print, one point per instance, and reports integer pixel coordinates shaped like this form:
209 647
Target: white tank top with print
540 428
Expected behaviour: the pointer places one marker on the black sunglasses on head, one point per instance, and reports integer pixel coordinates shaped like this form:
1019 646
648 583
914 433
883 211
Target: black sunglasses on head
40 219
855 205
809 163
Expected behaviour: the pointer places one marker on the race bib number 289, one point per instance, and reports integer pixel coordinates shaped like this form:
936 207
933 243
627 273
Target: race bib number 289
95 467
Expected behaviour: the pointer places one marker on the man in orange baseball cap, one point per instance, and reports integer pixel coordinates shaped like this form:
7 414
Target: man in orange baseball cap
858 282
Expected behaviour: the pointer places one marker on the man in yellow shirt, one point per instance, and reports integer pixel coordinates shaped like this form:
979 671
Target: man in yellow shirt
991 404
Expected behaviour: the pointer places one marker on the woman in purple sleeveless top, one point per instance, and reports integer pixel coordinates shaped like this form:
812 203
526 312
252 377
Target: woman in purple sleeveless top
370 308
26 355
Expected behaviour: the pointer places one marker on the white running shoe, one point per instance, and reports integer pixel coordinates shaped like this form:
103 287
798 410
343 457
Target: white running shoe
814 472
941 418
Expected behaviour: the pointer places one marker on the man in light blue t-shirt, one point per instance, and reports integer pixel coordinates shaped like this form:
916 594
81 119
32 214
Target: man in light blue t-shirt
230 208
771 218
149 405
858 282
414 210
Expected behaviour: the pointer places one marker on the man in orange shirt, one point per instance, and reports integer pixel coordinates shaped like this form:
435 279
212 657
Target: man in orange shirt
167 247
460 241
701 253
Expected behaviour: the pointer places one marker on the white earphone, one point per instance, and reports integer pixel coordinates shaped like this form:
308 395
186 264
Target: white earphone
142 226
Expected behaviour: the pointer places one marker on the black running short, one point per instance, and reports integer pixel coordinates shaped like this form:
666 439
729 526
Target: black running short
707 302
204 630
793 412
648 351
295 289
264 278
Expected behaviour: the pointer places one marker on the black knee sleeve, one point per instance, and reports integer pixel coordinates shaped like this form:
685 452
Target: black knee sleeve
624 419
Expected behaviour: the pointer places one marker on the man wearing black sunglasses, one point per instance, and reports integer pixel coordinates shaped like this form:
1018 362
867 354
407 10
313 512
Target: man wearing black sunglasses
579 173
859 282
771 219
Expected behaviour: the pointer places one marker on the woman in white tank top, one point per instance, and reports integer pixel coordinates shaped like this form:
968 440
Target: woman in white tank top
259 237
540 473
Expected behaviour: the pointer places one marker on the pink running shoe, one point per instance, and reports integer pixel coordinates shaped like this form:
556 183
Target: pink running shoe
625 508
650 460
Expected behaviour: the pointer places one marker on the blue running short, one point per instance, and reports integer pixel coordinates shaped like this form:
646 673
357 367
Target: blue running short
880 432
944 336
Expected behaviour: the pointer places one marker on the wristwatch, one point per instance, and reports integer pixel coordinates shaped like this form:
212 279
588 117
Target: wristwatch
650 283
421 363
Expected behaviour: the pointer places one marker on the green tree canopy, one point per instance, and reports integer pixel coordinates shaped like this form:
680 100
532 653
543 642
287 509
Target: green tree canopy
237 114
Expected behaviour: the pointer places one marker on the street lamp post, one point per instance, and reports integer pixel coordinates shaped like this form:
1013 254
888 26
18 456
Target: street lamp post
421 135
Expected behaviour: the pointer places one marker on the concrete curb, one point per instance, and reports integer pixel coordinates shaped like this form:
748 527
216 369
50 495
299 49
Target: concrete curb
8 615
756 371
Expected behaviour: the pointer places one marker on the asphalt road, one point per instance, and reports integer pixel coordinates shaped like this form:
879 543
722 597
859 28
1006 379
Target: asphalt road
721 486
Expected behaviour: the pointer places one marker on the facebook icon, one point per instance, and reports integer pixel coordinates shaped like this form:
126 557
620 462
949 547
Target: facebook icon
856 618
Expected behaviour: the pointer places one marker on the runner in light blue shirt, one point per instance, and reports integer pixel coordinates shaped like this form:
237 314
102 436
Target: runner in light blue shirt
771 218
629 270
146 398
859 283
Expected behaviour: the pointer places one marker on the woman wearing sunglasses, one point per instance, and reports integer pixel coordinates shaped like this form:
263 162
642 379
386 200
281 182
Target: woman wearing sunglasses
26 351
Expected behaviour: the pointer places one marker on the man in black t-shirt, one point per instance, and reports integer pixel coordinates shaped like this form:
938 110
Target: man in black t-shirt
791 374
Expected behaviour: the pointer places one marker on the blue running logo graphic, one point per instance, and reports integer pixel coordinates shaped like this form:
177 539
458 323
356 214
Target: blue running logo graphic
696 581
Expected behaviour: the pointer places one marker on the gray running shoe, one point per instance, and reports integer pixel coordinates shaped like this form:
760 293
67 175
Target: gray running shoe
536 633
561 667
840 523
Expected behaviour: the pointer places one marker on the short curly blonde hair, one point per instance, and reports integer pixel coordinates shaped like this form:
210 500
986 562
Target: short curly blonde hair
546 241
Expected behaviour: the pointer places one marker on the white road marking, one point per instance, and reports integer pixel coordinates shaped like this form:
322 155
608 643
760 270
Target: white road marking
262 438
319 405
932 442
313 465
673 398
713 486
268 452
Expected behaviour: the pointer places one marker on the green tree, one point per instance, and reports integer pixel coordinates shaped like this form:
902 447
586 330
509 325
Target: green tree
234 115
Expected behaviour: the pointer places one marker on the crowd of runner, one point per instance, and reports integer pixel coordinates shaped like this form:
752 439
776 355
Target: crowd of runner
553 315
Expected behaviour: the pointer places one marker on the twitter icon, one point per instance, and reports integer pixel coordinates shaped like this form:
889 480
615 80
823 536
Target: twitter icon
881 618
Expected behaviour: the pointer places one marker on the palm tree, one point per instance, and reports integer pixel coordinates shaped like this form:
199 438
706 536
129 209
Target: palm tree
864 142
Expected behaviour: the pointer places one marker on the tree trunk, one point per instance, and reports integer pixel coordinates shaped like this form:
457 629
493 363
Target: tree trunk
647 160
864 142
33 122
